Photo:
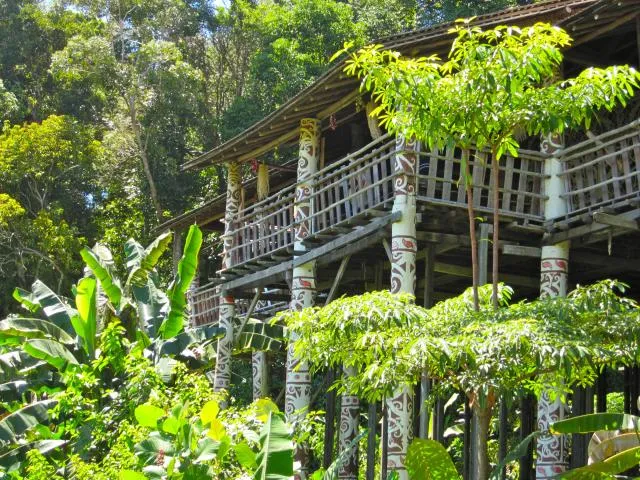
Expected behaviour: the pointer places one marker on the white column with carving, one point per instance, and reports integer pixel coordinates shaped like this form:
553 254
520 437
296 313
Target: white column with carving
303 283
403 280
551 450
227 308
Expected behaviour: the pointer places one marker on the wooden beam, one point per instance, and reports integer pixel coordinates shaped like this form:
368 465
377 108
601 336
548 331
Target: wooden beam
355 236
483 254
260 278
604 261
339 105
509 278
521 251
336 282
250 310
269 146
607 28
590 229
387 248
615 221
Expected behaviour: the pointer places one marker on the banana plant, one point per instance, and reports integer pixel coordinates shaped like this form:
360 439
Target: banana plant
615 455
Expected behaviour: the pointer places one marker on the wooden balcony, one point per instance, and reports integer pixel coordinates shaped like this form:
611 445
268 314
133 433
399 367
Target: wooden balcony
603 172
520 183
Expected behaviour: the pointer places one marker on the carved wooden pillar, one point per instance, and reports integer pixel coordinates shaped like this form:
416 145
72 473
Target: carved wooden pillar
349 425
403 280
554 273
303 284
259 365
227 308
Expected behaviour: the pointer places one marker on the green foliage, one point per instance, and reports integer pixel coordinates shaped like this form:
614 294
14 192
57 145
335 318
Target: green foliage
275 459
389 341
428 460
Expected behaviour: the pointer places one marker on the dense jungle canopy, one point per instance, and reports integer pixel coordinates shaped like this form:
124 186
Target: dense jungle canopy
102 101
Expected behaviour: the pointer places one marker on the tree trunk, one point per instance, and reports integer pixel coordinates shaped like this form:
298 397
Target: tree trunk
481 419
145 159
496 226
472 227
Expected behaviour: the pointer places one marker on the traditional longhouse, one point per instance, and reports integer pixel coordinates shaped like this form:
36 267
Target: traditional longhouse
355 209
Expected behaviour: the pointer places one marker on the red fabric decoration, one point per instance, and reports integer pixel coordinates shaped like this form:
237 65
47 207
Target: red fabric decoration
254 165
333 124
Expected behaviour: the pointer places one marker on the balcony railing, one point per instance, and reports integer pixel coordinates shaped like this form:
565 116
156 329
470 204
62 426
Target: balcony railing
603 171
520 184
355 184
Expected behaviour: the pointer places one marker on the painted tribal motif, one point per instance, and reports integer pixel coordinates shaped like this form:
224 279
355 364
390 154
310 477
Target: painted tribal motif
349 422
307 165
403 280
303 285
399 414
223 362
260 375
551 449
403 238
554 270
234 199
227 304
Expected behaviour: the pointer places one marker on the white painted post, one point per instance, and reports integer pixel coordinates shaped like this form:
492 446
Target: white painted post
403 280
551 450
227 303
303 284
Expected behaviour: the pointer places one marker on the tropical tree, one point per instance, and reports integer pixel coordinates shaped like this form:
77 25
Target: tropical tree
494 85
527 347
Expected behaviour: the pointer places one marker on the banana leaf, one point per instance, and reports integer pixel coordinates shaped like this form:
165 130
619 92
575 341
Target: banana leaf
259 336
34 328
275 458
17 455
140 262
17 423
189 337
16 365
55 308
176 293
85 323
596 421
98 262
50 351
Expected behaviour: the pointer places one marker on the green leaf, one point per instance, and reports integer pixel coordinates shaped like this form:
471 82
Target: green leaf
17 423
131 475
621 462
34 328
148 450
594 422
275 458
19 454
209 412
16 364
50 351
142 262
171 425
55 308
264 408
245 456
27 299
85 323
217 430
148 415
101 270
521 450
429 460
176 293
207 450
345 454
